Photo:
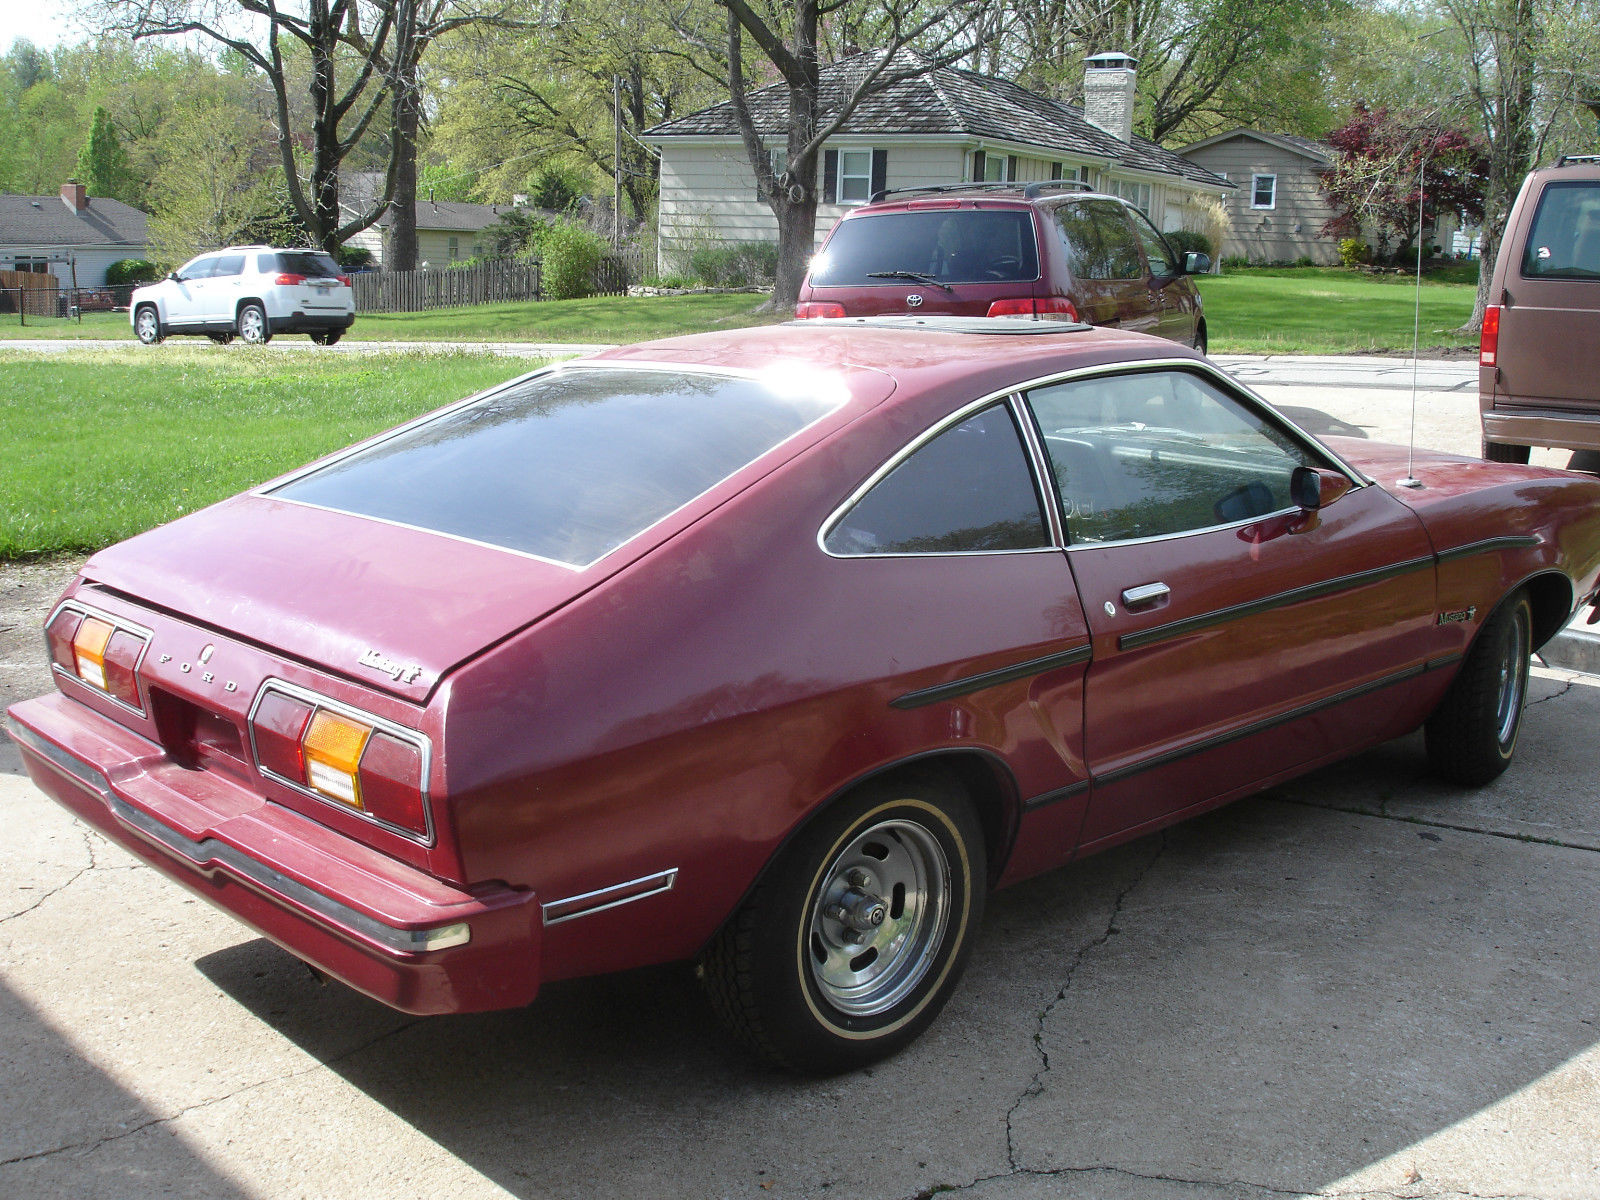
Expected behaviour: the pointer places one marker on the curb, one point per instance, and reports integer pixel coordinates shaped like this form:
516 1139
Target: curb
1573 650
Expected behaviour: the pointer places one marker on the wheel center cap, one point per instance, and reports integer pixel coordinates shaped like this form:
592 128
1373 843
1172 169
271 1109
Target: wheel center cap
860 911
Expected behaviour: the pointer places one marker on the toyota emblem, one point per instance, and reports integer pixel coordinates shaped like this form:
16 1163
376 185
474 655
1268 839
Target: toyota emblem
913 301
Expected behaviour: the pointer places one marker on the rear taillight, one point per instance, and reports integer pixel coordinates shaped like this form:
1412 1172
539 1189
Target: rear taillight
1048 308
344 279
1489 339
808 309
288 280
341 754
100 651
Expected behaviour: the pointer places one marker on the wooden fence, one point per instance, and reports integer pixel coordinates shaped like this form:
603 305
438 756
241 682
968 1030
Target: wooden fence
487 283
32 294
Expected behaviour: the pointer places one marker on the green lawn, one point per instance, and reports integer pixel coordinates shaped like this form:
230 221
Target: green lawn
598 319
1326 310
1302 310
101 445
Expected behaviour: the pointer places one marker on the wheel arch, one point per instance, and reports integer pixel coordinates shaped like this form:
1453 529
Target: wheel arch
1550 593
243 300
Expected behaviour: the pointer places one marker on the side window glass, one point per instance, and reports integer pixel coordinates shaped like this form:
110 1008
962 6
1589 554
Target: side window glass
1155 246
199 268
1123 260
1160 452
969 489
231 264
1086 257
1564 239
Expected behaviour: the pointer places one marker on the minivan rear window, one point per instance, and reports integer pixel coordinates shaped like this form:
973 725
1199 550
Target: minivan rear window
568 465
967 245
1564 239
301 262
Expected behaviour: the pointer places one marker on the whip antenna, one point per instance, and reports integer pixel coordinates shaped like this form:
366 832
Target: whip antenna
1411 480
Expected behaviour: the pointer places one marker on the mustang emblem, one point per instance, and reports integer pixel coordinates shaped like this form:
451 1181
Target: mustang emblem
1458 617
399 672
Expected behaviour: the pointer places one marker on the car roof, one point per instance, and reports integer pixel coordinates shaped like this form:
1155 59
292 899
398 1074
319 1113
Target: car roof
980 195
908 361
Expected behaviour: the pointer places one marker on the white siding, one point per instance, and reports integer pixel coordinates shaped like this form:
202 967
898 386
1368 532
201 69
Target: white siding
91 261
1291 228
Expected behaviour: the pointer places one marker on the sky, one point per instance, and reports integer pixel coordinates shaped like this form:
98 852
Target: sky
40 21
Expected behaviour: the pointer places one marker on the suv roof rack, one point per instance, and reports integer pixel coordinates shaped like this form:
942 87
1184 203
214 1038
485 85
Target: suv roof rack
1029 190
1566 159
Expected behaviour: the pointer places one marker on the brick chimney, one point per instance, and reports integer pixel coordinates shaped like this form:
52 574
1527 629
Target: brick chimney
74 195
1108 83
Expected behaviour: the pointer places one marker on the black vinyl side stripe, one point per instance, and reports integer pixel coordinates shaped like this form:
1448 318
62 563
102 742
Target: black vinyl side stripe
988 679
1517 541
1294 714
1045 799
1312 591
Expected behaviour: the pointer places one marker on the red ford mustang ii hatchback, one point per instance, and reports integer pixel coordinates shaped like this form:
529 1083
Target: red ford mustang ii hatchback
778 649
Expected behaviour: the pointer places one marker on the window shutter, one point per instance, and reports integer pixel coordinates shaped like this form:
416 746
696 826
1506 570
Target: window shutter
1011 168
830 177
977 166
1055 170
880 171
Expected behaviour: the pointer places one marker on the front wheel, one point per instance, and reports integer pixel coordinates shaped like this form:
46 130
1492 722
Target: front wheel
1200 341
858 935
252 325
1472 734
147 325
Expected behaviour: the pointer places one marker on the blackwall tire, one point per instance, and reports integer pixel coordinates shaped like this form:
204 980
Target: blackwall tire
1472 735
858 935
252 325
147 325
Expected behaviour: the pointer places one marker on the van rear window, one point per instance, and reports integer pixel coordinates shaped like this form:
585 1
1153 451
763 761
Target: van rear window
568 465
1564 239
968 245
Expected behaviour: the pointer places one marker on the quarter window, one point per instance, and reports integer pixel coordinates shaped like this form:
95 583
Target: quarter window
1263 191
1158 453
1564 239
968 490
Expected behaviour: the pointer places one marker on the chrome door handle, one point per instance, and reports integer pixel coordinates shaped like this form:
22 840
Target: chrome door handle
1145 594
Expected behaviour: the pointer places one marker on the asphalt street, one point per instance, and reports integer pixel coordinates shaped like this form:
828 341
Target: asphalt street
1360 984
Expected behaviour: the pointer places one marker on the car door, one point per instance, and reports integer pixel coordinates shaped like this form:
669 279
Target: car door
1236 637
186 295
1108 271
223 289
1174 299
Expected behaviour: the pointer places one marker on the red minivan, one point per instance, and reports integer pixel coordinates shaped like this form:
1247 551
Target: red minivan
1054 251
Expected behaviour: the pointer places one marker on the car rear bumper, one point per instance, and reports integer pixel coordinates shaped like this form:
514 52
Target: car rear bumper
1542 427
311 322
385 928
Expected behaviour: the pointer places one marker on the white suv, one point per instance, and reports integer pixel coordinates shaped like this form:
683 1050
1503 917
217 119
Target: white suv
251 292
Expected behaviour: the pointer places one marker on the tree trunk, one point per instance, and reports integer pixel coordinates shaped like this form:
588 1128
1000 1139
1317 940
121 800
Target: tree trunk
797 235
400 237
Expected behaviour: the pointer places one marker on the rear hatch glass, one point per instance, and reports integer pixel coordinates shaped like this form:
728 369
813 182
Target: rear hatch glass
951 246
1564 241
304 262
564 466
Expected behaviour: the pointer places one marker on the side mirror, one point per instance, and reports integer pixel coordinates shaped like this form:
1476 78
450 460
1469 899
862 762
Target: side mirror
173 276
1313 488
1195 263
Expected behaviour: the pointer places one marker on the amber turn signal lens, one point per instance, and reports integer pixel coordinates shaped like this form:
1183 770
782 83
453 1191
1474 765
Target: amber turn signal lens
332 747
89 650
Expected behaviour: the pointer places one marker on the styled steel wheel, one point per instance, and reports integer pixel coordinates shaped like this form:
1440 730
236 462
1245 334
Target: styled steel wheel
252 325
858 933
147 325
1472 735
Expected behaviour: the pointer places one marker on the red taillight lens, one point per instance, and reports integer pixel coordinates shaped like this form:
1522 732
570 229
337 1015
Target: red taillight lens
1049 308
391 783
1489 338
344 279
117 664
288 280
98 651
280 723
60 634
808 309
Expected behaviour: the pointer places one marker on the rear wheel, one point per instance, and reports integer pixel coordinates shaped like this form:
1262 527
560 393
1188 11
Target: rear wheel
252 325
1504 452
1473 733
147 325
327 337
858 935
1200 341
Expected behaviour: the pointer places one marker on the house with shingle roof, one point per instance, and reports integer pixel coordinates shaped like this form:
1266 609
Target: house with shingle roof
944 125
1277 212
447 230
71 235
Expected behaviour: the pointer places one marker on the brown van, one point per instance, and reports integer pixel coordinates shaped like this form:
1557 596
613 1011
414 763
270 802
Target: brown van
1539 358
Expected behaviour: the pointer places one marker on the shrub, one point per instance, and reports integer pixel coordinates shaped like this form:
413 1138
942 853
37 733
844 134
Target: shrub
734 264
132 270
1187 241
356 258
1353 252
572 252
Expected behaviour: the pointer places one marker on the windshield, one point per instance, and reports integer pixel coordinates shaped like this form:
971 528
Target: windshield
967 245
569 465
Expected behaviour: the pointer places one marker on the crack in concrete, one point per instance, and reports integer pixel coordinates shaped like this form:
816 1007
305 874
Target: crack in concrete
1432 823
89 1147
88 847
1036 1084
1567 686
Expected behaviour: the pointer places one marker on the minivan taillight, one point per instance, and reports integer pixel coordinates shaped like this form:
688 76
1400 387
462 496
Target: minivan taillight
1049 308
809 309
288 280
1489 338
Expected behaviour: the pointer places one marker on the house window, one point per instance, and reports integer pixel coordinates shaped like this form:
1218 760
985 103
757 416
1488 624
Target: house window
454 246
1136 194
1263 191
33 266
855 176
779 157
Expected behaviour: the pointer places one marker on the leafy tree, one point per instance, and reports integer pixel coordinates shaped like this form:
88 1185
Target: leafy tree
1390 164
102 162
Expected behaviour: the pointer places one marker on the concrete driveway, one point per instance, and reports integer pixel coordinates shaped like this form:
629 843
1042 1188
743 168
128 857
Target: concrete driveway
1362 984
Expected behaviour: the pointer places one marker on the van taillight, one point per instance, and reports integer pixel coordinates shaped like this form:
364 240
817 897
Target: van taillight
1489 338
288 280
811 309
1049 308
341 755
